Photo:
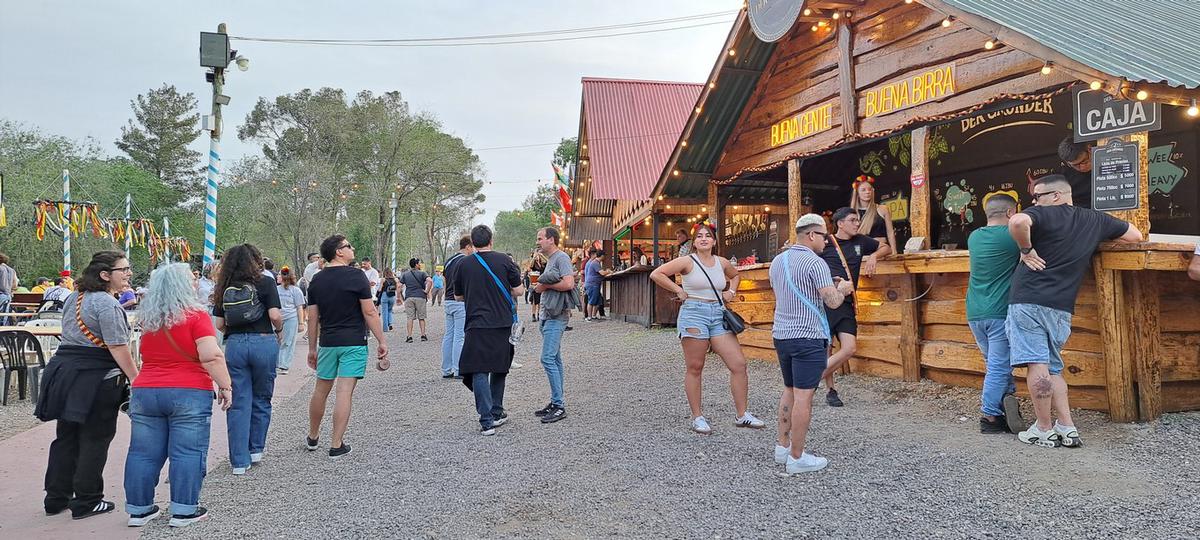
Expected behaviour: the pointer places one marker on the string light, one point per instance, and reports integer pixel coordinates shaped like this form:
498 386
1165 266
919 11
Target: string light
1047 68
807 12
908 1
732 52
697 110
814 28
989 45
1142 95
1193 111
703 208
767 209
1096 85
836 15
668 207
821 24
946 22
676 172
712 85
682 143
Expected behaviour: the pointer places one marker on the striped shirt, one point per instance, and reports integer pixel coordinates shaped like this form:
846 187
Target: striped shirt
794 318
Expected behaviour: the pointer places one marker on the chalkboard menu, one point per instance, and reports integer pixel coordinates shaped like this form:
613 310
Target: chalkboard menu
1115 181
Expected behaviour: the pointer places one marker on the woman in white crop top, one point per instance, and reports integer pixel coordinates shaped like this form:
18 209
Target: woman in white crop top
701 326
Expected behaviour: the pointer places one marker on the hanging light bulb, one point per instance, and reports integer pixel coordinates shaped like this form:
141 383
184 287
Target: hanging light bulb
989 44
732 52
1193 111
712 85
1142 95
683 143
676 172
767 209
660 197
703 208
814 28
946 22
836 15
1096 85
1047 68
807 12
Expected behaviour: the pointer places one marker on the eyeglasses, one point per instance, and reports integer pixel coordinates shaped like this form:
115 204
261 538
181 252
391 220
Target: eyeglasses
1037 195
345 246
1083 158
125 269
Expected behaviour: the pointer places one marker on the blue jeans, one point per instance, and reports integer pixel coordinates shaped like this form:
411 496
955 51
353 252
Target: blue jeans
386 303
288 347
489 396
251 359
552 331
167 423
998 380
452 341
4 300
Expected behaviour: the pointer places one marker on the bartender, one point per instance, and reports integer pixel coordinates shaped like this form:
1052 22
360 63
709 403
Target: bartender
1077 167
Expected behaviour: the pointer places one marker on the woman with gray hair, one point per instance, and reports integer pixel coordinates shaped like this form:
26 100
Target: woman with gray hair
171 402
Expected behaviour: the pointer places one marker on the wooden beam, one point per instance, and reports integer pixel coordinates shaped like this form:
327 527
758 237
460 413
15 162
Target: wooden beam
740 71
837 4
919 217
849 98
910 330
795 198
1144 293
1118 369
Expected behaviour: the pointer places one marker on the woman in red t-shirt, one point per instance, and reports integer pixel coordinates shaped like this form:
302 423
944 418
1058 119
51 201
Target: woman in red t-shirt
171 403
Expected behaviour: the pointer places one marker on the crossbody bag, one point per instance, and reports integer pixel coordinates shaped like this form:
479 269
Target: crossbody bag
518 328
730 320
820 313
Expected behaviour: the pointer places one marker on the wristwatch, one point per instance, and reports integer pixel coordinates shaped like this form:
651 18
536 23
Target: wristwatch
1025 251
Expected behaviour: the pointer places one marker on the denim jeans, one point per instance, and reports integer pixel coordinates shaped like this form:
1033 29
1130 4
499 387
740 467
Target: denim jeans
167 423
489 396
452 341
288 347
251 359
998 380
387 302
4 300
552 331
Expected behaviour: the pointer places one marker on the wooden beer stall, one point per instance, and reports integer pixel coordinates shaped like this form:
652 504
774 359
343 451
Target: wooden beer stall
944 103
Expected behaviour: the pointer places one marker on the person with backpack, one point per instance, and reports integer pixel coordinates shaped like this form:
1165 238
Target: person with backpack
387 299
417 286
250 316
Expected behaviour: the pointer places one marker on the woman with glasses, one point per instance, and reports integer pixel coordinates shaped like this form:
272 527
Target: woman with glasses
247 309
172 399
701 323
83 388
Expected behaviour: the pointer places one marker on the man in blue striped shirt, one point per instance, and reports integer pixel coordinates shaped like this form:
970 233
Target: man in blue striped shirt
802 282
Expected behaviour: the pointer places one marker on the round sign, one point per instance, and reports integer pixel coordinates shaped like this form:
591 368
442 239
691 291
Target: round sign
771 19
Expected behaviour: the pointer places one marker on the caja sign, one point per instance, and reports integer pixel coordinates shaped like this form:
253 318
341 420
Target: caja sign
771 19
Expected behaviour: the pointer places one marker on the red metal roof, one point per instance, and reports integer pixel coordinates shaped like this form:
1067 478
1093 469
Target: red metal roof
632 127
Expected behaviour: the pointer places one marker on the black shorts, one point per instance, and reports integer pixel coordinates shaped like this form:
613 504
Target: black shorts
842 320
802 361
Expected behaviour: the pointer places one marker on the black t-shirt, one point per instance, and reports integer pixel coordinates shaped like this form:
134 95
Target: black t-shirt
268 296
1081 186
857 247
448 272
878 227
414 283
337 291
487 306
1065 237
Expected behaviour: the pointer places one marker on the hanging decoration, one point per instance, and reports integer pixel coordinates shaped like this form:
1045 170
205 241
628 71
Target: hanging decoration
3 210
66 215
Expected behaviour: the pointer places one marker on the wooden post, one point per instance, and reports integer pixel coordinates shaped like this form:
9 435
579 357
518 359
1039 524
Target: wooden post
795 198
849 97
910 330
918 210
1118 366
1144 329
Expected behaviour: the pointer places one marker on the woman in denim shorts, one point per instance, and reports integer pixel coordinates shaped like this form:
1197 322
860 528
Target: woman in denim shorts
701 324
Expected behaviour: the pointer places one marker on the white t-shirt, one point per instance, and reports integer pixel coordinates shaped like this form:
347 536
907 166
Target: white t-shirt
1197 249
310 272
373 278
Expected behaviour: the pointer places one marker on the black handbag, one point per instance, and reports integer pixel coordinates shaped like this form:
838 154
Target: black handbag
730 320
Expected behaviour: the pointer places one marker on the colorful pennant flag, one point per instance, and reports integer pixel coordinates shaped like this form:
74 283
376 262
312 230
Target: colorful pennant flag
564 199
557 220
560 176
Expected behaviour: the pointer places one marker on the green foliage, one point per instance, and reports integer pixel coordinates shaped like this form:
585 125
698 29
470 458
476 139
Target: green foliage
164 123
516 230
567 152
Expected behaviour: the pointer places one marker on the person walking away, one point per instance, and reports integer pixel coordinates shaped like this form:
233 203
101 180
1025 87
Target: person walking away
438 295
417 285
83 386
876 220
248 312
372 275
452 341
487 282
537 265
340 312
593 282
310 271
802 281
994 257
171 403
701 324
291 308
861 253
387 297
1057 241
555 285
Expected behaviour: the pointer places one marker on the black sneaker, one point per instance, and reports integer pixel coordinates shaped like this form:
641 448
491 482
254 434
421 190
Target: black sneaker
102 507
310 444
554 415
408 339
339 451
54 511
447 375
999 425
138 520
200 514
1012 414
542 411
501 420
424 338
832 399
568 328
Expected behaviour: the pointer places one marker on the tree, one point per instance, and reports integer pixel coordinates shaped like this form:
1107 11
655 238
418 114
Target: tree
517 229
567 153
164 123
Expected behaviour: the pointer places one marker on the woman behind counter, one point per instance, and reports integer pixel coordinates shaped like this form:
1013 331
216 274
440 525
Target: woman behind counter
83 388
876 220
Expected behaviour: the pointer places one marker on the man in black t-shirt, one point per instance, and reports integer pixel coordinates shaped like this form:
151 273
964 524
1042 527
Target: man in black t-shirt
860 251
417 285
491 311
1077 168
340 311
1057 241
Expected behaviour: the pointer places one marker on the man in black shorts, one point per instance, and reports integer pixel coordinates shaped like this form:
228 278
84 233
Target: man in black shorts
860 252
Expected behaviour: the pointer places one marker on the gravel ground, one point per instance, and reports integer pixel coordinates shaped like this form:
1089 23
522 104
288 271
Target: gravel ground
17 416
907 461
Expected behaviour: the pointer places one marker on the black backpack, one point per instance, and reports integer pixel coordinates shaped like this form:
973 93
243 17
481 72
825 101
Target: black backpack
242 306
389 286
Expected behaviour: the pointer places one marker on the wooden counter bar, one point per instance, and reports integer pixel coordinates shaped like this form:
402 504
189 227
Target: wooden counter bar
636 299
1134 350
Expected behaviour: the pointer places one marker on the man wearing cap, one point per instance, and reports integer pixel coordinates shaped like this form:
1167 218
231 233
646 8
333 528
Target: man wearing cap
417 286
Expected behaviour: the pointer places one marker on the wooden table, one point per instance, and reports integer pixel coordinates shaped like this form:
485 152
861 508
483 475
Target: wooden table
18 315
43 331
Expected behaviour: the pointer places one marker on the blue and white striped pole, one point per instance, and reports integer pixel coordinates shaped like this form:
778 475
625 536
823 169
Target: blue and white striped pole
128 237
167 238
210 201
66 177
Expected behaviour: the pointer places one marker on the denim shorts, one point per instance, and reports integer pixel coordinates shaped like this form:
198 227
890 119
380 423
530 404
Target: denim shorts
802 361
703 316
594 298
1036 335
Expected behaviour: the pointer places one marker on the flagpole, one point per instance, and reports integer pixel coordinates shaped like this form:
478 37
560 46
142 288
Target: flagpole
128 238
66 181
166 240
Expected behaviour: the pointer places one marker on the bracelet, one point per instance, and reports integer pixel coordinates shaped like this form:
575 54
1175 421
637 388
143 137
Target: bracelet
224 389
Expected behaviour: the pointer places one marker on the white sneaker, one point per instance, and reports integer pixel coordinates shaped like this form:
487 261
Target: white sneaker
782 453
806 463
517 365
700 425
750 421
239 471
1035 436
256 458
1068 435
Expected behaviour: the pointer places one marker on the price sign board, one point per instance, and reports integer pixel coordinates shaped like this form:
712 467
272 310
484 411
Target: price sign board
1115 180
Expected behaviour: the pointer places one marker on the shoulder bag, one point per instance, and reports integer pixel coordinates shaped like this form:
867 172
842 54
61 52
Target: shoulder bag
730 320
518 328
820 313
842 257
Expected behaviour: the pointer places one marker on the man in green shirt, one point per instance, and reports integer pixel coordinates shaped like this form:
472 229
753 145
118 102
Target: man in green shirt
994 256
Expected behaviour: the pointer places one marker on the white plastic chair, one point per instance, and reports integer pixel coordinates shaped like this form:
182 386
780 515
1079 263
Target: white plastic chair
49 343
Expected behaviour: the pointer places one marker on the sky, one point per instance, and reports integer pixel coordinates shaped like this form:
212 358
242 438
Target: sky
71 68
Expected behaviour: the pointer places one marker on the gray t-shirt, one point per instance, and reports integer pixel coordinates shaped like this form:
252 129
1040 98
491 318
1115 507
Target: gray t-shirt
7 277
103 316
561 263
414 283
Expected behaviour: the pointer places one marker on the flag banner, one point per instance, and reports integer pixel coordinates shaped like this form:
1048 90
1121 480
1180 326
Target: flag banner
560 176
557 220
564 199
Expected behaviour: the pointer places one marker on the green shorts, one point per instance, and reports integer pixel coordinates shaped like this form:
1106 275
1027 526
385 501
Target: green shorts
334 362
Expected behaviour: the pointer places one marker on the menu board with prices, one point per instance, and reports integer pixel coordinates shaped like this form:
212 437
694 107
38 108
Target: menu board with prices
1115 168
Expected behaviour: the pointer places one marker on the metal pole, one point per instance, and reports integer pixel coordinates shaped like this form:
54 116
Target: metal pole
393 205
66 178
167 240
128 238
214 164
